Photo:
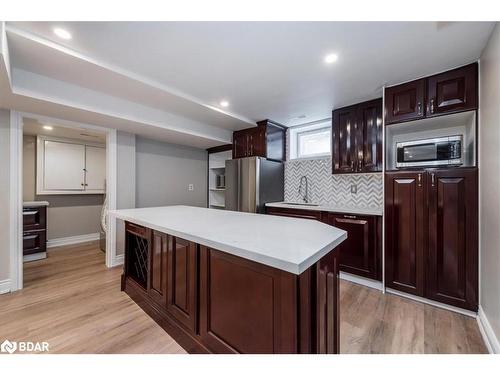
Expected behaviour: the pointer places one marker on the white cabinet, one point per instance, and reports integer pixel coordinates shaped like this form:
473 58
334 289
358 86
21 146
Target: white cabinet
69 167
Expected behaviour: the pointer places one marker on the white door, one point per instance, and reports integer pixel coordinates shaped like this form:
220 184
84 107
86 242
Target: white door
64 166
96 169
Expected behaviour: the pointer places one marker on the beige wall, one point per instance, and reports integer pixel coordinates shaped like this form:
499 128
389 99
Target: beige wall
489 180
67 215
4 195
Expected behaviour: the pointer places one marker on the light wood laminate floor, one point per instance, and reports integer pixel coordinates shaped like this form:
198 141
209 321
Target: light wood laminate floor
72 301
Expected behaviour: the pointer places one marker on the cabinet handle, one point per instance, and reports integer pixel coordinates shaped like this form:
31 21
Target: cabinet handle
432 105
419 108
420 180
82 184
352 165
432 179
350 217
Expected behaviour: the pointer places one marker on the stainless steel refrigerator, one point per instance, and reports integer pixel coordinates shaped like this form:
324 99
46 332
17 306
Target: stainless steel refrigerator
253 182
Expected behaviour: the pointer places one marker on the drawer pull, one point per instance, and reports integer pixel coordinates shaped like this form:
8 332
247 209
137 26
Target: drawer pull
350 217
30 237
30 212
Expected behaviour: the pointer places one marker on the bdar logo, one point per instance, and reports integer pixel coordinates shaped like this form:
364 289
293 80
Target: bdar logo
8 347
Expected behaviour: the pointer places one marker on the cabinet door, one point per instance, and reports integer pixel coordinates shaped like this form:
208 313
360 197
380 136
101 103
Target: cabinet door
256 142
240 144
405 241
182 289
405 102
158 266
64 166
358 253
452 91
453 235
369 136
275 142
344 140
95 169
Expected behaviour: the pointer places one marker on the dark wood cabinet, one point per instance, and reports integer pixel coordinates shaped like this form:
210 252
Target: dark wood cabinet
405 220
158 268
360 252
266 140
405 102
452 259
357 138
34 232
432 234
137 254
453 91
444 93
181 285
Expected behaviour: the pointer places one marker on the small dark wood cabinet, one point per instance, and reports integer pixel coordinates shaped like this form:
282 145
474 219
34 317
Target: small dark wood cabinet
361 252
444 93
266 140
405 102
357 138
432 234
34 230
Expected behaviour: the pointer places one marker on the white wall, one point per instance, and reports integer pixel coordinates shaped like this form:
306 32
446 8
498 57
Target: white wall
4 198
489 181
164 171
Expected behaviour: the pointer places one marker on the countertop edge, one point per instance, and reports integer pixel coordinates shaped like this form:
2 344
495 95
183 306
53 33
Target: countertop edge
295 268
340 209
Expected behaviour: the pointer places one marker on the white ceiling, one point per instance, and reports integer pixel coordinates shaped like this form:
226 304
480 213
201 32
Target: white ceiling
34 127
264 69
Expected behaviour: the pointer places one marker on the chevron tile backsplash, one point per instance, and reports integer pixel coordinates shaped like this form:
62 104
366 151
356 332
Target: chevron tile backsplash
325 188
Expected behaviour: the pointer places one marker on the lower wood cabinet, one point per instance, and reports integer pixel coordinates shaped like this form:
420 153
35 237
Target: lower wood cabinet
158 268
361 253
432 234
182 289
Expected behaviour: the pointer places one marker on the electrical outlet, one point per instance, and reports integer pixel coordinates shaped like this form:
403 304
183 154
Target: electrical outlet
354 189
190 187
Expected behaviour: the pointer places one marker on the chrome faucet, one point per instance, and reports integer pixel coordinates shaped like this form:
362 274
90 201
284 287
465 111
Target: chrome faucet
304 192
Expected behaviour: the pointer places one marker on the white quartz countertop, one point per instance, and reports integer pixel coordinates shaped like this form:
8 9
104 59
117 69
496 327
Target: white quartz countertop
289 244
330 208
35 204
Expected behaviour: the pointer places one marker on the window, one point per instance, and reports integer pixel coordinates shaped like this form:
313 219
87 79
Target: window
309 141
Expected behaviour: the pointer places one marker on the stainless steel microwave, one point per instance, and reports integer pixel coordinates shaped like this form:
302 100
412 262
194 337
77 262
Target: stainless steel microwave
430 152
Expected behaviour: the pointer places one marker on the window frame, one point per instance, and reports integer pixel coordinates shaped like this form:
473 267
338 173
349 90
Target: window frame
307 129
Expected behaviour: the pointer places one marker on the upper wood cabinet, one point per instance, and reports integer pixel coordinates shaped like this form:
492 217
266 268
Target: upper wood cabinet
266 140
405 102
452 91
449 92
357 138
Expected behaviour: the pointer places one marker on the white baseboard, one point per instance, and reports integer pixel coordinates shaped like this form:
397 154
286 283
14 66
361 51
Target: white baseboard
72 240
433 303
4 286
117 260
361 280
32 257
489 337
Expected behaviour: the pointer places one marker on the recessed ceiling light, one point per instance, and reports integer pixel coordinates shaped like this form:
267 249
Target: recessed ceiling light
48 127
331 58
61 33
224 103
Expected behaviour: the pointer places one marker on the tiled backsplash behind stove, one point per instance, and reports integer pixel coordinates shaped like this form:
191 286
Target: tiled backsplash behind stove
325 188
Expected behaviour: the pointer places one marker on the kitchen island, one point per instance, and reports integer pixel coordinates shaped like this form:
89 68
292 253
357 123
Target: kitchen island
232 282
